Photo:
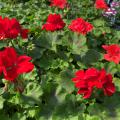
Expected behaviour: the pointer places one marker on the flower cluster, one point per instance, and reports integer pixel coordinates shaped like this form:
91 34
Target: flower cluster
113 53
54 22
10 28
80 26
12 65
86 81
101 4
58 3
115 4
92 78
112 10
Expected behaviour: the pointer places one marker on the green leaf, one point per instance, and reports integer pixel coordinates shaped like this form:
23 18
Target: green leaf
19 116
32 93
2 44
4 116
36 53
91 56
1 102
66 82
43 41
111 67
93 117
98 22
79 44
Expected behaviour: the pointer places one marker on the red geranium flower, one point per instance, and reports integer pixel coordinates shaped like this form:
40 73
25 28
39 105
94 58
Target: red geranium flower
10 28
54 22
101 4
12 65
113 53
58 3
80 26
24 33
92 78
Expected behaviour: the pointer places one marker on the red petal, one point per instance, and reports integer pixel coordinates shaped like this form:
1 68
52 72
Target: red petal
109 89
11 53
24 33
25 67
105 47
80 73
24 58
91 72
81 84
86 93
11 75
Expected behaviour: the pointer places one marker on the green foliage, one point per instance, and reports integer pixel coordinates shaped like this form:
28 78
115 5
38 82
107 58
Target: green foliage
49 93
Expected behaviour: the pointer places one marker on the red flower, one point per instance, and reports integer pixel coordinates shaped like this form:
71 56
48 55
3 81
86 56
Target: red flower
54 22
12 65
58 3
113 53
92 78
24 33
10 28
101 4
80 26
